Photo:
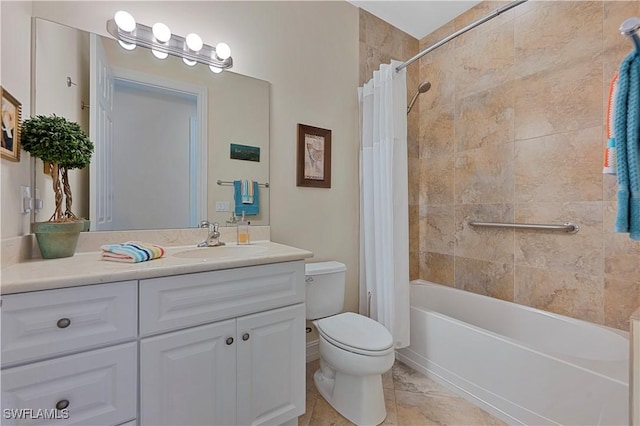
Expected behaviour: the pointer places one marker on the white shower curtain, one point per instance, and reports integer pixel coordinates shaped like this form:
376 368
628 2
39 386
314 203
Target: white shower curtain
384 202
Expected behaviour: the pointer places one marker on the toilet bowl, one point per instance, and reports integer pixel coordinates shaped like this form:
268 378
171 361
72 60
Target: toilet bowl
354 350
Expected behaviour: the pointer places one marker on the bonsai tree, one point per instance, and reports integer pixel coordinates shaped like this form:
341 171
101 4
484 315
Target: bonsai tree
65 146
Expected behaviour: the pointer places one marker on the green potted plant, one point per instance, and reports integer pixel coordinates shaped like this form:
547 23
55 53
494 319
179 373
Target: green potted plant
65 146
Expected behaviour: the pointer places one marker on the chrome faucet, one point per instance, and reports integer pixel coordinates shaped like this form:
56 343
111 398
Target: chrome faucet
213 239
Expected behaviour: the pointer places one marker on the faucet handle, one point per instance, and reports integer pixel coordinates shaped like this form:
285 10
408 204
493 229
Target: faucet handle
213 226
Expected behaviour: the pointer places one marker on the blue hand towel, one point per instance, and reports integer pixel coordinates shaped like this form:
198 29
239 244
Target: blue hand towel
627 133
251 209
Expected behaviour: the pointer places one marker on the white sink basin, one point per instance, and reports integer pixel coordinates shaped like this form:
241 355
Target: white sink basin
221 252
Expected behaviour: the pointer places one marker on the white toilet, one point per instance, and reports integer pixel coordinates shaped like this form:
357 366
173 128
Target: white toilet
354 350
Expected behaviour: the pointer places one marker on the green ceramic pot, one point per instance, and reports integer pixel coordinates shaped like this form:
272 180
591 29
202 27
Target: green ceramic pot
57 239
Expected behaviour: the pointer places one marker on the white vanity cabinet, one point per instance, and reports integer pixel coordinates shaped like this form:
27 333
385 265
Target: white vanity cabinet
238 354
223 347
70 349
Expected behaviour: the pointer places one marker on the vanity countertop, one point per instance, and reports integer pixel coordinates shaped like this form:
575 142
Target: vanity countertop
88 268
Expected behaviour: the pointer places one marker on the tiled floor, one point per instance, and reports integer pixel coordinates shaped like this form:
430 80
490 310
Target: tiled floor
411 399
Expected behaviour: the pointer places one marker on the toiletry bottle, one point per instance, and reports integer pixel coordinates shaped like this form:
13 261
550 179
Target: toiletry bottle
243 230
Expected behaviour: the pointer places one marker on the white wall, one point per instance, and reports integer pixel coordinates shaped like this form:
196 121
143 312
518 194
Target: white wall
151 130
309 53
15 77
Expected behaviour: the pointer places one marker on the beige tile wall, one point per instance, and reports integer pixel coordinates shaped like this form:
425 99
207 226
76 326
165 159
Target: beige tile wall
513 130
380 42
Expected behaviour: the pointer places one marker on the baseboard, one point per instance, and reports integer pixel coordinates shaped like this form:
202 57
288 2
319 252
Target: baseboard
313 350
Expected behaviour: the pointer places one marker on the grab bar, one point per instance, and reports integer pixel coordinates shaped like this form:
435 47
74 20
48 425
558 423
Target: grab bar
568 227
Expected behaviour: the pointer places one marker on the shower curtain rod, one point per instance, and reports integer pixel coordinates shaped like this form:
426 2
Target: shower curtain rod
460 32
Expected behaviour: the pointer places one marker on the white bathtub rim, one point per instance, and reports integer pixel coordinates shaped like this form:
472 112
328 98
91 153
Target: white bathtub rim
564 318
620 377
623 335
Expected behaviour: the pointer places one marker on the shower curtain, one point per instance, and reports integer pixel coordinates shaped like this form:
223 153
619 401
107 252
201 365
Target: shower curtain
384 202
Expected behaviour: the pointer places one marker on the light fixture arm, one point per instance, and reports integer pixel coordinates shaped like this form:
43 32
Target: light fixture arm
143 36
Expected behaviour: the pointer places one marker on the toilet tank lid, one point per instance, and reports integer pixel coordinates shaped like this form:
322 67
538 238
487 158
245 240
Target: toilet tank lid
320 268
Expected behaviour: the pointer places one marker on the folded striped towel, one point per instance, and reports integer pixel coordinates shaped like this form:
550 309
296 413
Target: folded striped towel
251 209
132 252
247 191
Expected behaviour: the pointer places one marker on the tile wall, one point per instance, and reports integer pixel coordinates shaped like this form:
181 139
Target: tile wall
513 130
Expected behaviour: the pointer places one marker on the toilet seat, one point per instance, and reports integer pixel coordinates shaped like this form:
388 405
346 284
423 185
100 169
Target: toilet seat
356 333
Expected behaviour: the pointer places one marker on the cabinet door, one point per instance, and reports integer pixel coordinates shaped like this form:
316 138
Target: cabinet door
271 362
90 388
188 377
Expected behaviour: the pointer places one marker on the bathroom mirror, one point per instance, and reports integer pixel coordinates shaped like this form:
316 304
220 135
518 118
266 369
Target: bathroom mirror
163 131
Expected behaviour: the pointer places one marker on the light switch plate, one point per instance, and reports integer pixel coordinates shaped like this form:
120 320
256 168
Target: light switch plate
25 192
223 206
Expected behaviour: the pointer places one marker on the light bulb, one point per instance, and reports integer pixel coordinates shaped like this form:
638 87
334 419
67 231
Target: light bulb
215 70
188 62
125 21
127 46
223 51
158 54
194 42
161 32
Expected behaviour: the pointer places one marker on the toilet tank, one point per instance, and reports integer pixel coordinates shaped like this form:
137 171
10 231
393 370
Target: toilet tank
325 283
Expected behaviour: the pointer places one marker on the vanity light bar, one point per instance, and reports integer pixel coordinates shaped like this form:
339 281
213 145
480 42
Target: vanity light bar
143 36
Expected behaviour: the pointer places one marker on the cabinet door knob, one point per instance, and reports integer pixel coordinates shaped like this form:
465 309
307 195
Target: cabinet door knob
62 404
63 322
245 336
229 340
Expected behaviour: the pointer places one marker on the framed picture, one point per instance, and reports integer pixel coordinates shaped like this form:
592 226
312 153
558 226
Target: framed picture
314 157
244 152
11 118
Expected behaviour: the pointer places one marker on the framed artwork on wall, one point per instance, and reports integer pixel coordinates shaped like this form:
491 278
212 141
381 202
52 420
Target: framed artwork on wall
11 111
314 157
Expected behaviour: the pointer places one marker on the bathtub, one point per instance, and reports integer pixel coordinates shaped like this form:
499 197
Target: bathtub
523 365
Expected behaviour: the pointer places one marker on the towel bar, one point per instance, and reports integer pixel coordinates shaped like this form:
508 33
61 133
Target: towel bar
568 227
630 28
228 182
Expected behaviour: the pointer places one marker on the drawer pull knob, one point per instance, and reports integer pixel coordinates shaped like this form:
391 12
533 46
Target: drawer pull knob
64 322
245 336
61 405
229 340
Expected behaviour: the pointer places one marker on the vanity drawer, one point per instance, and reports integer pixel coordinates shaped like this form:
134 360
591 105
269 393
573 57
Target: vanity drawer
96 387
171 303
51 322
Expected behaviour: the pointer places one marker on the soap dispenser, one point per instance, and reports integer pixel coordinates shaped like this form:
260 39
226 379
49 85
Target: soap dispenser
243 230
